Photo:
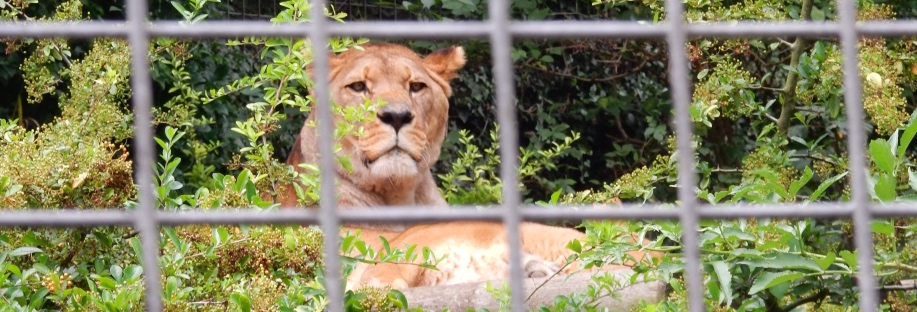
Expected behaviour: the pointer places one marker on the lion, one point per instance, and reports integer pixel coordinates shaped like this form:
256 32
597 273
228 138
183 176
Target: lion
391 166
475 251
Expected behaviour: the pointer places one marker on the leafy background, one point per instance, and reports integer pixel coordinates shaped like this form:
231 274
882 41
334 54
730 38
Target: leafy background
594 128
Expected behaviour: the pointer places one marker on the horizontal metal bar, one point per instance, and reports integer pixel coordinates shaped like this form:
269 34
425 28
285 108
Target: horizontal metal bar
762 29
66 218
354 29
466 29
240 216
893 28
116 217
78 29
899 209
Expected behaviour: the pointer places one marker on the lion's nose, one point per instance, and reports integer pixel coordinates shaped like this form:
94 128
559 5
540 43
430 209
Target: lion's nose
395 117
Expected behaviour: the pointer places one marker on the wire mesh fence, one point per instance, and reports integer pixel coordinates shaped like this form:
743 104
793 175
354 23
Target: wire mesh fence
500 31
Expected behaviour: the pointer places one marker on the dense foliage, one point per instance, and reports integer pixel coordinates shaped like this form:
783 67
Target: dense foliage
768 115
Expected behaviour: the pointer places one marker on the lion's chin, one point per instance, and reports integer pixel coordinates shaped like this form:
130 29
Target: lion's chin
395 164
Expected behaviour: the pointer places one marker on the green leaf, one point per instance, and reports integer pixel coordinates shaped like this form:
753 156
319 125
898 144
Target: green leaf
772 182
241 180
912 179
703 73
116 272
172 284
398 298
827 261
575 246
133 272
883 227
243 302
734 233
219 235
907 136
747 253
824 186
885 187
22 251
817 14
799 183
770 279
173 236
784 261
850 258
881 153
556 196
345 163
725 279
106 282
138 248
178 7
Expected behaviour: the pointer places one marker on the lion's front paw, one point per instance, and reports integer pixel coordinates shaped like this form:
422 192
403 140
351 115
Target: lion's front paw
535 266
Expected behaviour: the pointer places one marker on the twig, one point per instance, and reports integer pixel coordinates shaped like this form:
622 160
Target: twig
61 52
787 43
227 243
549 278
898 287
206 302
620 128
909 286
130 235
810 156
731 170
899 266
821 294
81 233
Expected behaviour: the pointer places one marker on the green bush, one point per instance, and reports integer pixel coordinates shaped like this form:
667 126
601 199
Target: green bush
593 117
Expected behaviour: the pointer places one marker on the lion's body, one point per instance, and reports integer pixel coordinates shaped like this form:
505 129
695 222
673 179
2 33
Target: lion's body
391 164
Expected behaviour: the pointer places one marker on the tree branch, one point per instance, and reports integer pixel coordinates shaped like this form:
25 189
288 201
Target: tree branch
789 87
813 298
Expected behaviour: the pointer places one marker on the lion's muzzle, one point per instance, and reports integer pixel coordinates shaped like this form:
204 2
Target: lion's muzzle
394 134
395 117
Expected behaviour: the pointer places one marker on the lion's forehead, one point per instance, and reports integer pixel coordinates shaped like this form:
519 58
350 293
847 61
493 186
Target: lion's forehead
386 68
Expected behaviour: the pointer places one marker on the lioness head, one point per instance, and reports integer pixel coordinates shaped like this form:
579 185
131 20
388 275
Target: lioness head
403 141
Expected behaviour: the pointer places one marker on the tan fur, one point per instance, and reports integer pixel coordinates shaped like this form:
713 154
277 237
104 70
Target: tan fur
392 168
477 251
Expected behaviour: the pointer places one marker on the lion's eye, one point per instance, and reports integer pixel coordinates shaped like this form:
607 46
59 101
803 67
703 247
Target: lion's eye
417 86
358 86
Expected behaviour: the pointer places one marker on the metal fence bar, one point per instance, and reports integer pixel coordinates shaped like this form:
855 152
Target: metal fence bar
856 147
504 81
458 29
112 217
328 218
142 98
676 39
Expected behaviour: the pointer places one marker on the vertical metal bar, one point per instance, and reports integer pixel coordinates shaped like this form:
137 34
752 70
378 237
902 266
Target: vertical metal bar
676 39
856 146
145 216
501 45
328 217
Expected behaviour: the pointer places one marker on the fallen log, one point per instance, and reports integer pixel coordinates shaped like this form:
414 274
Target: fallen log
473 295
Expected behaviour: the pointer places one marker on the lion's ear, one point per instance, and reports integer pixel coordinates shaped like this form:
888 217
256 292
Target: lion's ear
445 62
334 61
